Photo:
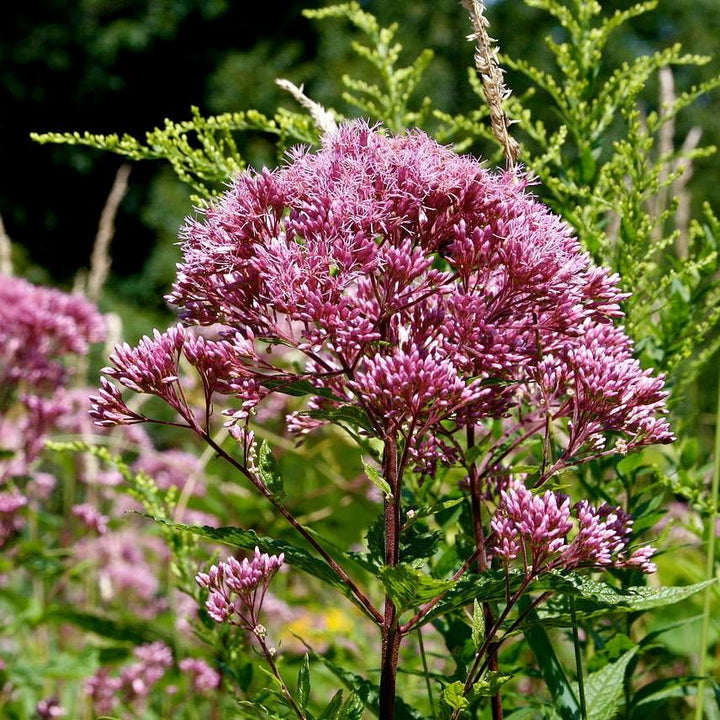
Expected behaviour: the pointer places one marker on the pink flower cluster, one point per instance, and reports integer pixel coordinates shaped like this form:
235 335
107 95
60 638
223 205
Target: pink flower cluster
91 517
49 708
10 504
135 681
536 529
40 329
237 589
416 286
125 564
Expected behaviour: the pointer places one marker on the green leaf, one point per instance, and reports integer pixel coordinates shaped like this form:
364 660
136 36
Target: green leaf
375 476
490 684
478 625
662 689
269 470
454 696
488 587
334 707
605 689
303 682
408 587
353 709
418 544
595 598
526 713
434 509
105 626
344 415
297 388
566 702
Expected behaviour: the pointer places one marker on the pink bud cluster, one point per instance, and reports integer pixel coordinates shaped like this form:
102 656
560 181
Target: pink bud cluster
537 528
10 503
237 589
49 708
409 282
126 569
153 367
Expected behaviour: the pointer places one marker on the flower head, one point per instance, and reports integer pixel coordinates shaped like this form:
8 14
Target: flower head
237 589
537 529
41 330
135 682
408 282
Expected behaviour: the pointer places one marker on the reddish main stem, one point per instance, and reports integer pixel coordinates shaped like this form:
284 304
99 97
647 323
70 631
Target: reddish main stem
482 564
390 632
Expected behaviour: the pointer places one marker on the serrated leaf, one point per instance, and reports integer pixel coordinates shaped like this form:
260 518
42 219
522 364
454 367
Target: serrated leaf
478 625
353 709
418 544
605 689
454 696
334 707
593 597
488 587
303 682
375 476
408 587
269 471
490 684
297 388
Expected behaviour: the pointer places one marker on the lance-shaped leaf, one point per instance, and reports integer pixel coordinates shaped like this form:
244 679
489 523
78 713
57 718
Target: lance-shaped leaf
596 598
408 587
605 689
296 388
564 696
269 471
303 683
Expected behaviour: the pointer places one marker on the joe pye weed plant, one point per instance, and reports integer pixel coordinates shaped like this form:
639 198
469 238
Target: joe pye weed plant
471 347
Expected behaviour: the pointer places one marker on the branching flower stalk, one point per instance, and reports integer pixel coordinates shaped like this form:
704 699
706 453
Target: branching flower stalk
424 302
236 591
